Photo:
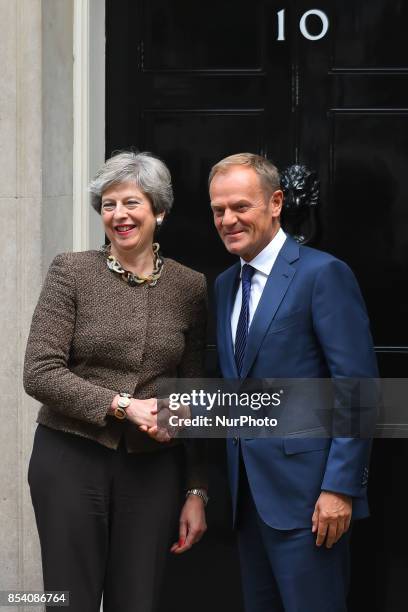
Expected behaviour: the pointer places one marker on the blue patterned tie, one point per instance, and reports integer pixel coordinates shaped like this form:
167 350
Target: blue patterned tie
243 321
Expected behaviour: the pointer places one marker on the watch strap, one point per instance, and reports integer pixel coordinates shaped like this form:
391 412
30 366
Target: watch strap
200 493
120 412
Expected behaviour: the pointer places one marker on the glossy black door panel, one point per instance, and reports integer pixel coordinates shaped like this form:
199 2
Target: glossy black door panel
367 219
185 35
166 90
369 90
370 35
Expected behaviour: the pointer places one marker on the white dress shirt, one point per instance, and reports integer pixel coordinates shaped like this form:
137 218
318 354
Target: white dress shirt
263 263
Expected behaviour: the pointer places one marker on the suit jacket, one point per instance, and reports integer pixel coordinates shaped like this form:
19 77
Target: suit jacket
93 335
311 322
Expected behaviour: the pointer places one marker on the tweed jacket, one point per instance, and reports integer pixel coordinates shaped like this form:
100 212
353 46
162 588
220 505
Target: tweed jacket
93 336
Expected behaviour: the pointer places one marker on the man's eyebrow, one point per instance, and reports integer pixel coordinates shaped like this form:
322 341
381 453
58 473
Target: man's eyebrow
237 203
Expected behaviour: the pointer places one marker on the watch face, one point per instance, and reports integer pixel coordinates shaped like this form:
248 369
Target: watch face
123 402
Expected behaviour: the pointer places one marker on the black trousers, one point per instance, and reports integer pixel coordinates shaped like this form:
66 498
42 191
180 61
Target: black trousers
105 518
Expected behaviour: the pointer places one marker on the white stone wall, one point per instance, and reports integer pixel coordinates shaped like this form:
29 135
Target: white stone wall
36 134
57 132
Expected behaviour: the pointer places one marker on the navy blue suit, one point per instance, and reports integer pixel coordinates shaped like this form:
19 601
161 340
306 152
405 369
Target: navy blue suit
310 322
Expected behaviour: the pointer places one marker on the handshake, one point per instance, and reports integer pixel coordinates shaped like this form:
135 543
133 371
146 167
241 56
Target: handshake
152 416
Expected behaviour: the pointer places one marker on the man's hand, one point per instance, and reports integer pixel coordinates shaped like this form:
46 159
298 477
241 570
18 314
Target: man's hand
331 517
162 431
156 433
192 524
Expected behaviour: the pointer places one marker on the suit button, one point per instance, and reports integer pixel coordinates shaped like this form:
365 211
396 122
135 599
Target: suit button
235 440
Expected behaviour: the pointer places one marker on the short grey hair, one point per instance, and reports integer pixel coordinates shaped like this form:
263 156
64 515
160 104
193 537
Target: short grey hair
148 172
266 170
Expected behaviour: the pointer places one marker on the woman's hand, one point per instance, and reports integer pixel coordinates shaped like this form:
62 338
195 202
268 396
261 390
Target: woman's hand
192 524
143 412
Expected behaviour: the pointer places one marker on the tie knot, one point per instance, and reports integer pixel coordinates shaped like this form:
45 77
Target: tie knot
247 273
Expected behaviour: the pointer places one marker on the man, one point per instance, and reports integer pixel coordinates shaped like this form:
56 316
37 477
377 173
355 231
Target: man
288 311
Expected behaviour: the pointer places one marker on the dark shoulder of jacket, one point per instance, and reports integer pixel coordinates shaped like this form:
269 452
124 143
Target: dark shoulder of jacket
225 274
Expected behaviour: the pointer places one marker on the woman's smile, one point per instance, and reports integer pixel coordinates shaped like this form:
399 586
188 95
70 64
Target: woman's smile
124 230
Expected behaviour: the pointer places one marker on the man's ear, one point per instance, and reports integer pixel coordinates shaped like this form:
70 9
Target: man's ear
276 202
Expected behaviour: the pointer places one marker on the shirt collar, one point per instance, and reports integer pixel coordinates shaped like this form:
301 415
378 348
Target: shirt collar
264 261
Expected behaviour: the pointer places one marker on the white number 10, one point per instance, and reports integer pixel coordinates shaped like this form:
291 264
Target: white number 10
303 24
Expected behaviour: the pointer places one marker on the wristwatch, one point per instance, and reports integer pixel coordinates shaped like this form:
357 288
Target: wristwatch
200 493
123 403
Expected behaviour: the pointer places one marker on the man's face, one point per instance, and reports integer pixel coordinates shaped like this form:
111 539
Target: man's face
246 219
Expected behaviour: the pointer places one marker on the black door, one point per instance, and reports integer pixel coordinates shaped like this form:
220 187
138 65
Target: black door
325 85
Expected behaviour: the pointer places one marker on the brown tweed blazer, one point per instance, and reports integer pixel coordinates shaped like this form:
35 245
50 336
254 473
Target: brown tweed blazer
92 336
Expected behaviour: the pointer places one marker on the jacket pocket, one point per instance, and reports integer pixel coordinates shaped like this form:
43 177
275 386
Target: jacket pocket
295 318
291 446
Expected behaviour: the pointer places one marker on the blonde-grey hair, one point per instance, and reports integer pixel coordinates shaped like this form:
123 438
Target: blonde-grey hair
266 170
148 172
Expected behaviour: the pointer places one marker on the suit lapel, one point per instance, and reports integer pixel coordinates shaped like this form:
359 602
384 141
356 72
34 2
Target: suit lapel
227 294
275 289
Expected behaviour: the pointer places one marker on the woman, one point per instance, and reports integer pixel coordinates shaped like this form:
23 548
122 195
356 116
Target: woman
108 326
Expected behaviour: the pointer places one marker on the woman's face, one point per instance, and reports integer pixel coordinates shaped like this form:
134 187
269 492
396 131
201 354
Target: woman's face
128 217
